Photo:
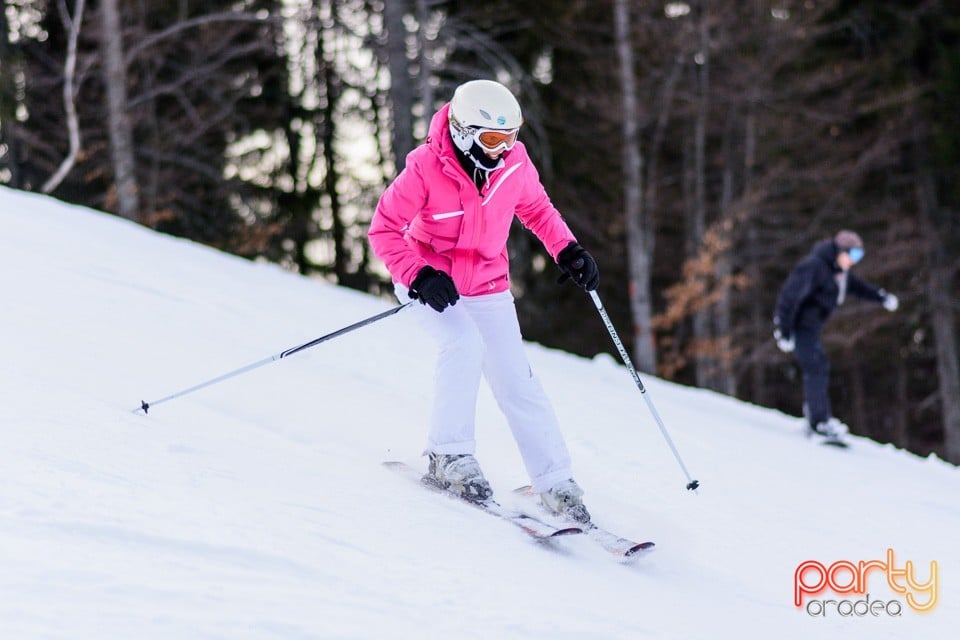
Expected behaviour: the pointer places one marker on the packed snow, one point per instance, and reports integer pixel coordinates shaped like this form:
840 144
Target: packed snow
259 508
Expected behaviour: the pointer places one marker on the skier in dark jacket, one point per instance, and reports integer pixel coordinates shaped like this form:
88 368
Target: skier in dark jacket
816 286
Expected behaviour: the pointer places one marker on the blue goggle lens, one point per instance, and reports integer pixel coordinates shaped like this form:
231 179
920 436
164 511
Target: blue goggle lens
856 254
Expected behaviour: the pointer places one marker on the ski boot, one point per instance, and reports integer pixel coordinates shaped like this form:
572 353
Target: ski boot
459 474
565 499
830 431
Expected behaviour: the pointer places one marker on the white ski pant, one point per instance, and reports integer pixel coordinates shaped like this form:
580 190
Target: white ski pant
480 335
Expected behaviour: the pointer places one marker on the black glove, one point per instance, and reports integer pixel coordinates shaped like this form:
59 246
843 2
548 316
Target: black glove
434 288
579 266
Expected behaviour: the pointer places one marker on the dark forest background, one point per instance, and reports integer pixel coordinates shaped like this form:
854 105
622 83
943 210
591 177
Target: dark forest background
698 149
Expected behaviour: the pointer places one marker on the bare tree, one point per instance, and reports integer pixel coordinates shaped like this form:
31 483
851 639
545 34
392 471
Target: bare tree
8 100
935 224
697 220
402 90
640 234
329 84
118 120
424 79
69 96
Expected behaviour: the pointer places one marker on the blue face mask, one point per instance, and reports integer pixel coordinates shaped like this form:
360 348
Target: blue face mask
856 254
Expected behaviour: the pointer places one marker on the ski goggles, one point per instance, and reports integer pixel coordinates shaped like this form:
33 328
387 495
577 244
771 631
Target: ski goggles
496 139
856 254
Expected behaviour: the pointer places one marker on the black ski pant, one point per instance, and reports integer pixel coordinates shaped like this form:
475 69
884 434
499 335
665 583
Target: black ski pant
816 376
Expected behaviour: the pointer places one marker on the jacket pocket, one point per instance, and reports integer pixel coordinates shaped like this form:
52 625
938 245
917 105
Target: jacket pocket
439 231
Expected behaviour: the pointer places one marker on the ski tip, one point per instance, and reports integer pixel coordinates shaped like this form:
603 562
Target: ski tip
638 549
837 444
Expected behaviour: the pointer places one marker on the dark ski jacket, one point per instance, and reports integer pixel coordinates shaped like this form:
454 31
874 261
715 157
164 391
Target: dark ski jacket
812 291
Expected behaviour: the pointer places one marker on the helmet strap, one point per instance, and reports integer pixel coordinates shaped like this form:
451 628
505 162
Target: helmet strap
462 137
482 160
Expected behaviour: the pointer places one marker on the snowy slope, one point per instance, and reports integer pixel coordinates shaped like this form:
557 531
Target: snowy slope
257 508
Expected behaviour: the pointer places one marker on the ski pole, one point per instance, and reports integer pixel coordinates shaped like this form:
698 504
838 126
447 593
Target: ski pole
145 406
692 484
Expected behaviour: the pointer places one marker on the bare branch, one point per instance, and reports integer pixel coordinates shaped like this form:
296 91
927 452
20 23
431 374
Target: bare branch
69 105
175 29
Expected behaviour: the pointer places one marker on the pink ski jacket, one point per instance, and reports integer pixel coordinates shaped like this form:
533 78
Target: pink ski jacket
433 214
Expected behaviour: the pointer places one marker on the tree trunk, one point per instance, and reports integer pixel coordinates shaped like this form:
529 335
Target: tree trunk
901 419
401 87
332 175
941 310
69 101
948 370
724 379
426 66
651 191
293 203
119 125
330 86
858 397
639 235
760 318
704 365
9 69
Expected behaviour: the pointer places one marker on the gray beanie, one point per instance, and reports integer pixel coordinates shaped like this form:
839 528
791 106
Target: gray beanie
846 240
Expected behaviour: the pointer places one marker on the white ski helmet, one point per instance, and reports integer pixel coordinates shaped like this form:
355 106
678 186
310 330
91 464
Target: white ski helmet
485 112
